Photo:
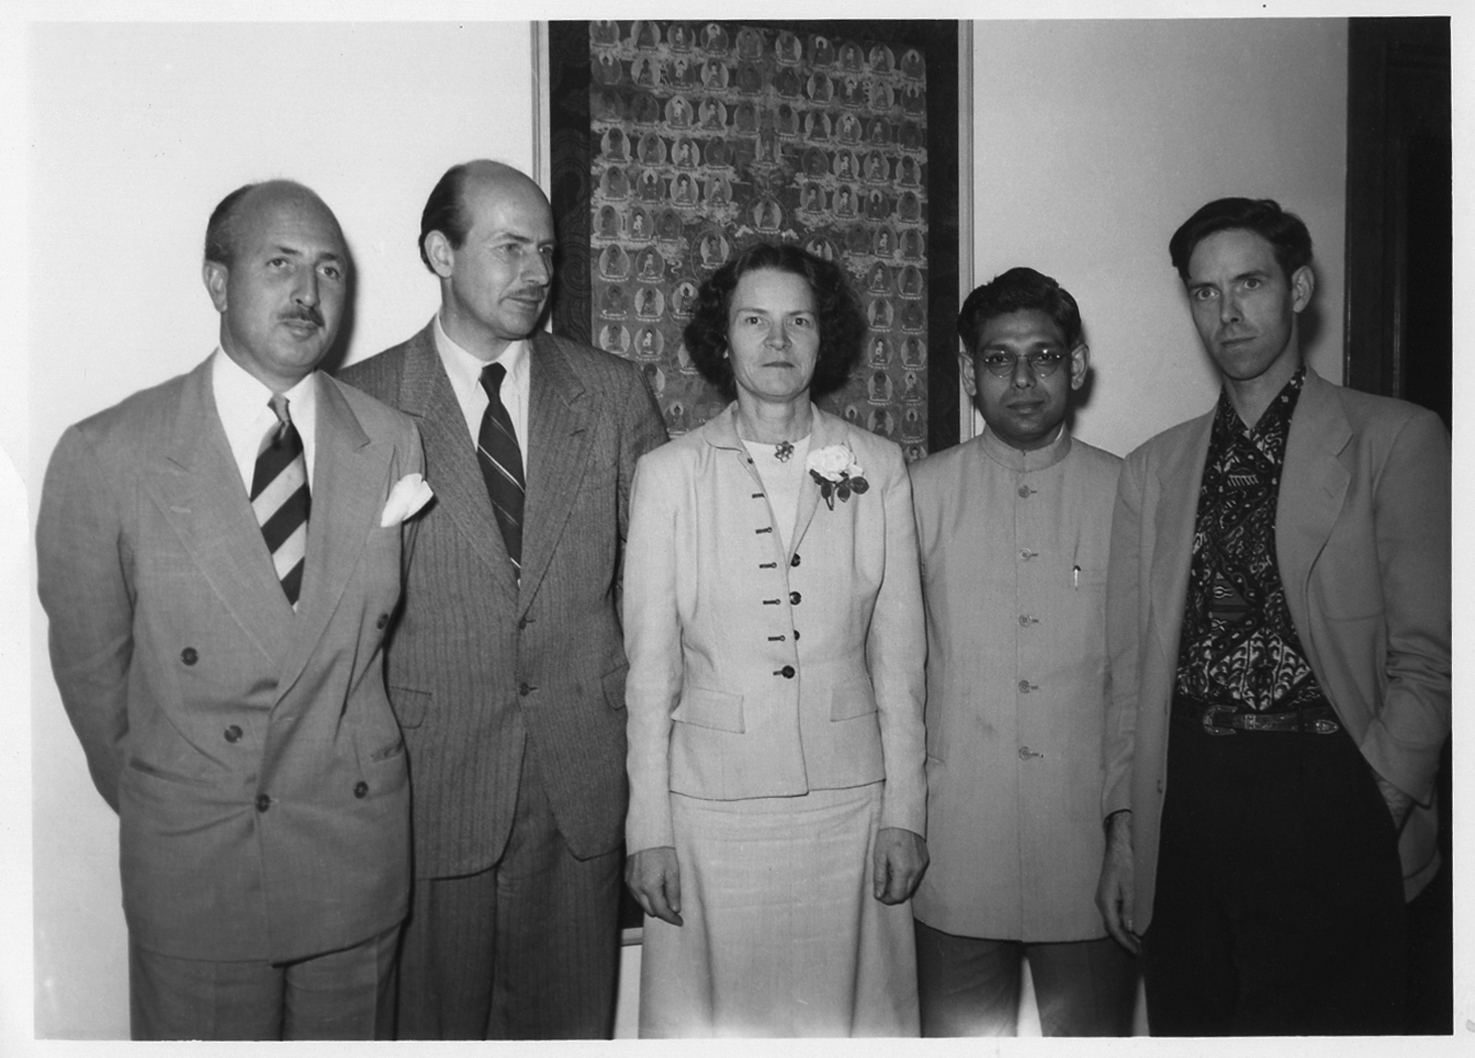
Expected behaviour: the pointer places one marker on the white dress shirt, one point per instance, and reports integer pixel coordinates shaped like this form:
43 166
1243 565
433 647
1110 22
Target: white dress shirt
465 369
244 404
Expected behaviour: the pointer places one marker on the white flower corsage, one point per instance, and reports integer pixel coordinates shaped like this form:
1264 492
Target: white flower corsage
836 472
410 493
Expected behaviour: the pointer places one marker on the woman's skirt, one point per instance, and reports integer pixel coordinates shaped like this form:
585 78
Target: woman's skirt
782 936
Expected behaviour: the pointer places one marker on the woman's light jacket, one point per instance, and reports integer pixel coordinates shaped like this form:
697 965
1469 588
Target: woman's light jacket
760 672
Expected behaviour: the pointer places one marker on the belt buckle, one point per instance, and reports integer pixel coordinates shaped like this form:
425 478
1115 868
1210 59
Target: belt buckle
1210 724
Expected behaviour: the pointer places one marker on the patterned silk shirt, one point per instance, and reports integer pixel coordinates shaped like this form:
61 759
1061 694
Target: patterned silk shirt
1238 643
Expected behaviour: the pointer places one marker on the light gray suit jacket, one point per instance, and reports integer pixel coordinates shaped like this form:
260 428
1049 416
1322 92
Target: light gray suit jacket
250 751
483 666
761 672
1362 536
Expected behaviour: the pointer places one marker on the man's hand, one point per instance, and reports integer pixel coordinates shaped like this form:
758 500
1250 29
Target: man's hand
1117 887
1399 803
655 880
898 863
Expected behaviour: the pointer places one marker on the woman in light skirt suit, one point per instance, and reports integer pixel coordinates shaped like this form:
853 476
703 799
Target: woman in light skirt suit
773 622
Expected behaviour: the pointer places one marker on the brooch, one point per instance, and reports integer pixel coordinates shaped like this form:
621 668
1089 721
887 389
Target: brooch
784 450
837 473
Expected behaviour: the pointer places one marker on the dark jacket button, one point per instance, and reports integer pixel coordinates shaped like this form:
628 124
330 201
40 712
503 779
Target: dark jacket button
524 690
794 561
796 635
360 788
795 598
263 802
383 620
233 733
189 655
788 672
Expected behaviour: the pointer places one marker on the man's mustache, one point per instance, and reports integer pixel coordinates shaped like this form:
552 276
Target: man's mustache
306 314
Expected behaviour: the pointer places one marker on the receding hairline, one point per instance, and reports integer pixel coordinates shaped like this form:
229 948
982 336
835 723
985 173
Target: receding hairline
222 235
501 178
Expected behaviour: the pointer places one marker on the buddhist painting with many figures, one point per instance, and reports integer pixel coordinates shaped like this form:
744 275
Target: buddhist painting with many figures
705 137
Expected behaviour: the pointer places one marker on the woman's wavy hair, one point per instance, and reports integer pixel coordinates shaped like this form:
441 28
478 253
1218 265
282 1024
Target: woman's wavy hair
841 325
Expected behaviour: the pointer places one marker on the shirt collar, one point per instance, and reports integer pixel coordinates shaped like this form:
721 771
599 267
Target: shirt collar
1011 458
464 368
1276 419
241 397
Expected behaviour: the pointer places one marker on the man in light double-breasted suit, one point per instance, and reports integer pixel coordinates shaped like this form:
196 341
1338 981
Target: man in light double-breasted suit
219 557
507 670
1279 613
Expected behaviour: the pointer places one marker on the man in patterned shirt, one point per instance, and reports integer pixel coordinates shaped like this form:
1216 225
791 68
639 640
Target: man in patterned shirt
1279 627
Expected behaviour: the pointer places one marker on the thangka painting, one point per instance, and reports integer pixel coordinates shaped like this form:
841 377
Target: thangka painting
677 144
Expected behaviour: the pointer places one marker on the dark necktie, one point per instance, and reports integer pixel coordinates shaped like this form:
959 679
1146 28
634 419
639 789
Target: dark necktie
501 463
280 499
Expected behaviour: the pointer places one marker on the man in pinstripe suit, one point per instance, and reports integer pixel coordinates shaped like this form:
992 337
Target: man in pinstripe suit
506 668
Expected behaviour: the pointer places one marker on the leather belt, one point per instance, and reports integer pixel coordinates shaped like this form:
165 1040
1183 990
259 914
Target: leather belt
1227 719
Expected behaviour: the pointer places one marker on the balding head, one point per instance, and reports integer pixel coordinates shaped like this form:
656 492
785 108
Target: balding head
487 234
447 210
223 232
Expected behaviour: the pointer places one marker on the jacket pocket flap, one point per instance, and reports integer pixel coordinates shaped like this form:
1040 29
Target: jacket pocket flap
409 705
713 709
614 687
851 699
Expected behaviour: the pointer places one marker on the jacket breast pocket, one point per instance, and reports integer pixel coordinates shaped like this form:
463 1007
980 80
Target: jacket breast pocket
409 705
710 709
852 699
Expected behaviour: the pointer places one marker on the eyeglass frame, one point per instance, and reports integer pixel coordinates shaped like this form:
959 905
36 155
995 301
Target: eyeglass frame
1037 366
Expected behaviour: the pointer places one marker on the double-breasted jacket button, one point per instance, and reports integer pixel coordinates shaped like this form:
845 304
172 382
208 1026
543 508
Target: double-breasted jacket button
189 655
1024 492
1025 686
360 788
383 620
233 733
794 561
263 802
525 689
795 598
787 672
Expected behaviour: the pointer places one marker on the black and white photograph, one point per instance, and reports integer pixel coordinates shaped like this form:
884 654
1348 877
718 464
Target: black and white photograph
770 532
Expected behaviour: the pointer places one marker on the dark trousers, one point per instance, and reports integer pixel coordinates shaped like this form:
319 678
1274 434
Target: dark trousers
341 995
527 949
1279 899
970 986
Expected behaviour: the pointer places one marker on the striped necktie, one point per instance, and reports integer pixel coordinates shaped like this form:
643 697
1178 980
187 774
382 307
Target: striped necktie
280 499
501 464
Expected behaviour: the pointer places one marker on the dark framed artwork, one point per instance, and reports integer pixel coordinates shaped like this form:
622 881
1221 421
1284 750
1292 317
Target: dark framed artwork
676 144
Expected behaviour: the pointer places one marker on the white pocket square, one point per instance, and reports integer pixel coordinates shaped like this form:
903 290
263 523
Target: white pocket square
409 494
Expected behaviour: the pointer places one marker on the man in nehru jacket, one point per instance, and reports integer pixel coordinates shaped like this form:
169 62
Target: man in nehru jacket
507 668
219 557
1014 528
1279 607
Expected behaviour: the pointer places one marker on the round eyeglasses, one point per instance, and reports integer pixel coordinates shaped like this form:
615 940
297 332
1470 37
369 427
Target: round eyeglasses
1042 363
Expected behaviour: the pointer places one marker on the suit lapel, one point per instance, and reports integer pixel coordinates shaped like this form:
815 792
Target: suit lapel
350 481
451 465
199 490
1178 481
1313 487
557 454
824 431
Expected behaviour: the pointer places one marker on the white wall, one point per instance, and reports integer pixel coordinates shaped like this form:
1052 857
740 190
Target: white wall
1093 141
137 130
